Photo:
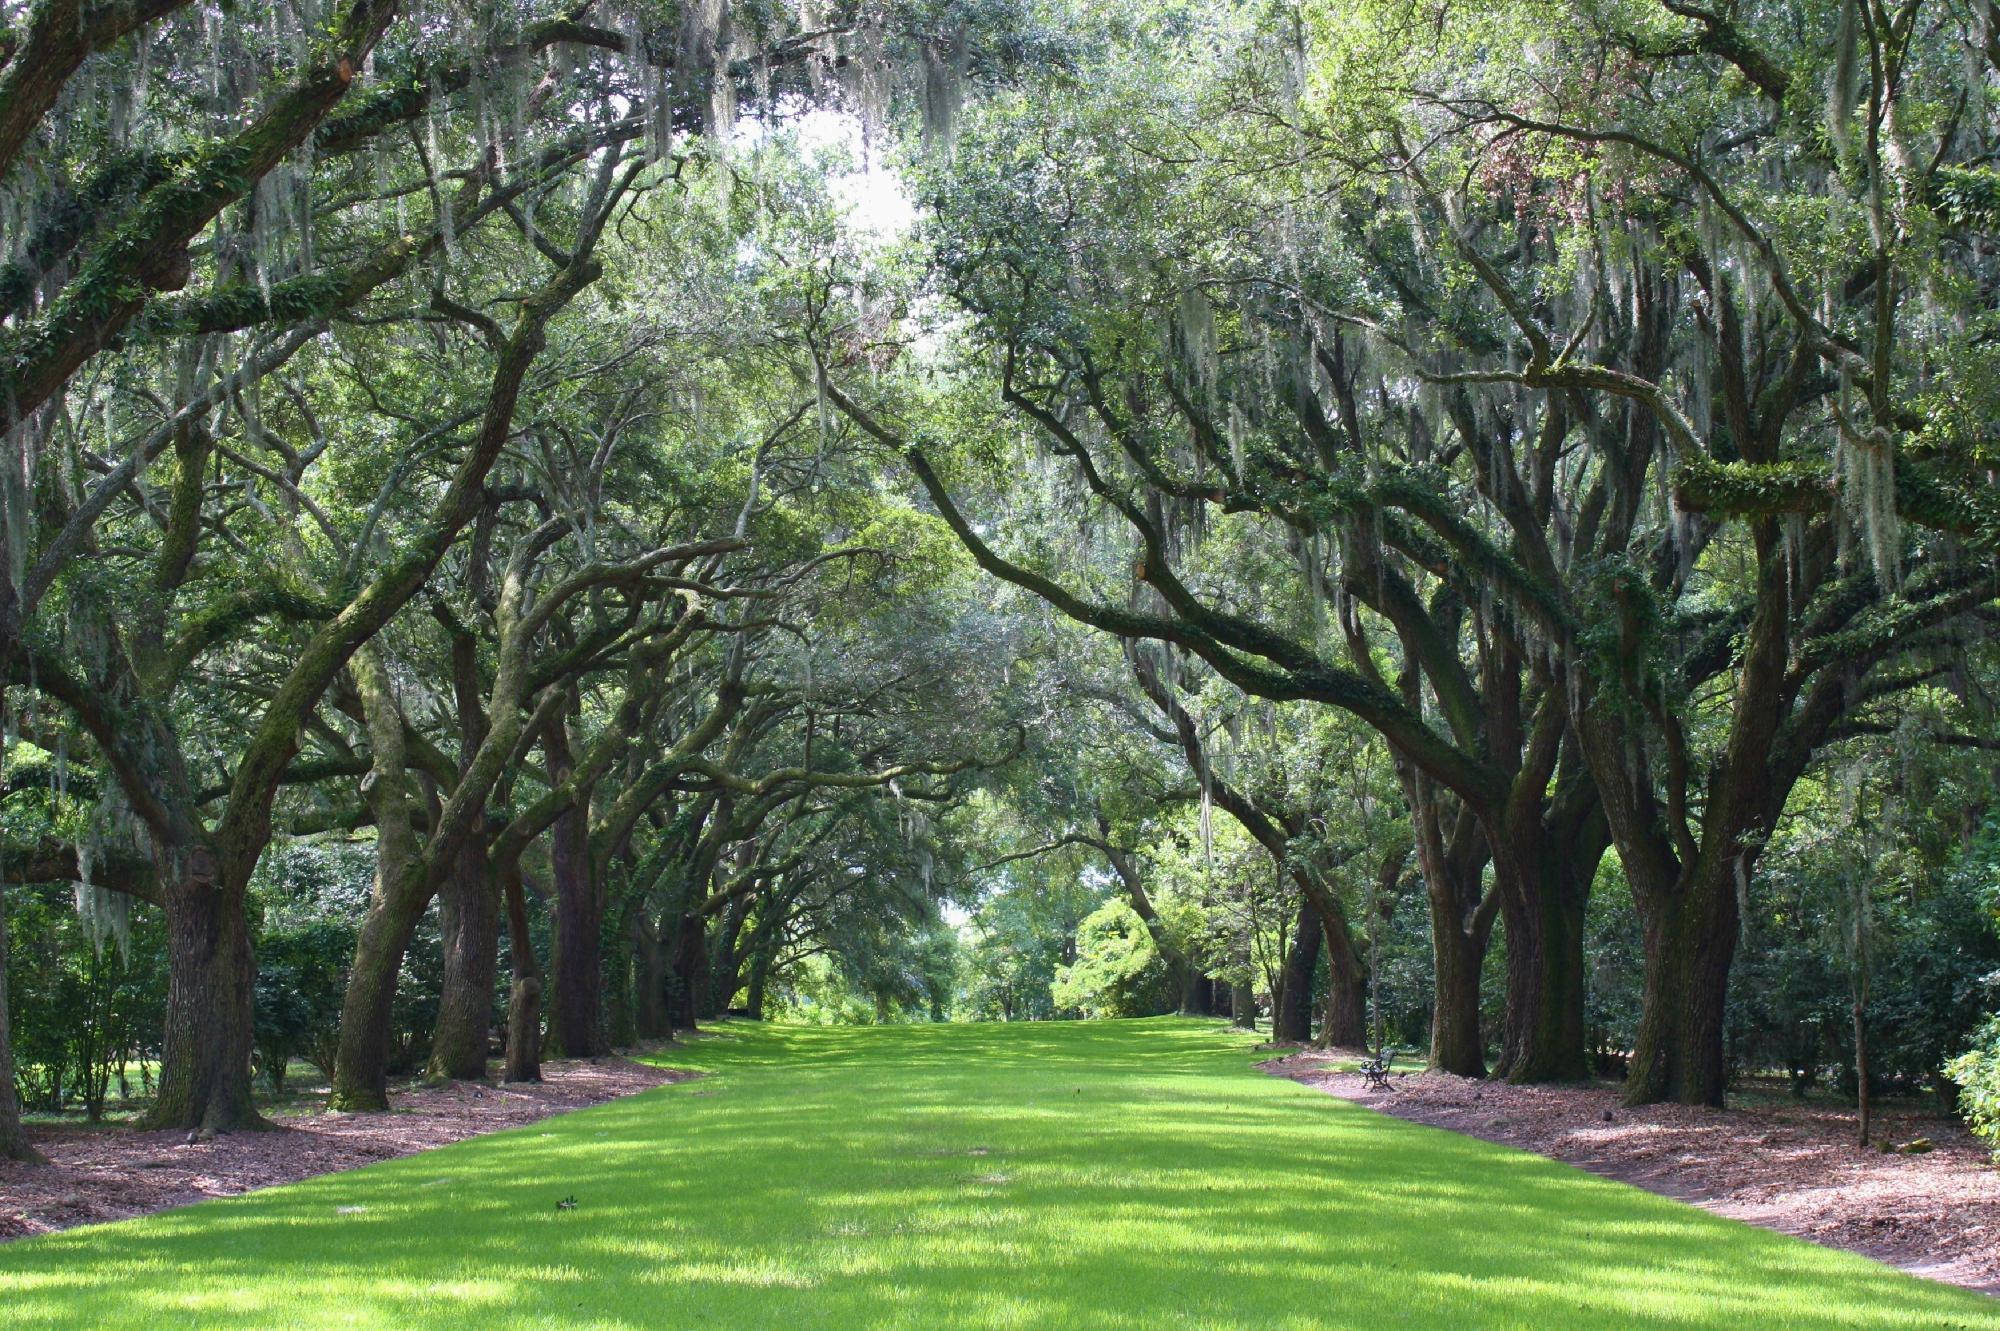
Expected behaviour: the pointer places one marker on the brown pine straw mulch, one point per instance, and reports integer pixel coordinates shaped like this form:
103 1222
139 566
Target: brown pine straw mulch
112 1173
1793 1167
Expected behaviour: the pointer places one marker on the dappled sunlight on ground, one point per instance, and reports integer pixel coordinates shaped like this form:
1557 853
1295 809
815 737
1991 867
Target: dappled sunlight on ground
1132 1174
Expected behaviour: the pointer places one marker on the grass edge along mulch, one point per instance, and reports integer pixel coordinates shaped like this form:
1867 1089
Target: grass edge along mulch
1934 1215
95 1175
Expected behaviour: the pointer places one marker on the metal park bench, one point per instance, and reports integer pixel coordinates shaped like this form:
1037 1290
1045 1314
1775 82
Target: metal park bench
1376 1069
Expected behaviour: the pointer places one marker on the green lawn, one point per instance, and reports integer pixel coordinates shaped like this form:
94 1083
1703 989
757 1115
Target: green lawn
1117 1174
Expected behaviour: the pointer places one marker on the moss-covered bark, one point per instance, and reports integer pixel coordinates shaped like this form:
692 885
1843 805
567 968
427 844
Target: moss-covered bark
469 921
13 1139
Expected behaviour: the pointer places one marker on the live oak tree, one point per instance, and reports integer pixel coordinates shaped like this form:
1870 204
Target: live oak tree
1670 315
276 187
1472 341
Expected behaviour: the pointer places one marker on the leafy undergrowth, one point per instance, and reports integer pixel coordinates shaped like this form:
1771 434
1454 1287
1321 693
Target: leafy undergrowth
1118 1175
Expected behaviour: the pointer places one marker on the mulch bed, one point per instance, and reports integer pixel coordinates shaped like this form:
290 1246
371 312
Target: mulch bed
113 1173
1789 1167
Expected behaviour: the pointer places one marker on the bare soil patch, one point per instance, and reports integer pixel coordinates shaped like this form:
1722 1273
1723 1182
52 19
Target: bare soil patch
1789 1167
113 1173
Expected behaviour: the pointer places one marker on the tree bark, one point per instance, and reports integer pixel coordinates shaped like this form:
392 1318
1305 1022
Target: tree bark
524 992
469 921
576 1009
1460 924
1545 1038
361 1068
1243 1005
401 895
1344 1025
689 997
726 968
649 966
753 993
1690 943
1293 1020
13 1138
211 1002
1457 958
1862 1104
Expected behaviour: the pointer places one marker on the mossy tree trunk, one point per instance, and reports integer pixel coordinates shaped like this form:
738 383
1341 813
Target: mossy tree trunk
1684 883
1343 1022
1243 1005
576 960
1293 1019
1690 943
1545 1038
689 982
649 983
754 990
211 1001
1451 857
469 922
524 991
13 1138
396 903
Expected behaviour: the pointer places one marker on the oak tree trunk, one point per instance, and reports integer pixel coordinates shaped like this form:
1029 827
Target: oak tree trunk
1545 1037
367 1014
211 1002
1344 1024
576 1008
469 923
1293 1019
1243 1005
13 1138
1187 985
621 1021
753 994
689 983
649 982
524 992
1457 958
1690 941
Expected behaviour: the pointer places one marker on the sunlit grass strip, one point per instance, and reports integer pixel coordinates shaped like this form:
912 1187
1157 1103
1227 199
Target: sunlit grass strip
1121 1174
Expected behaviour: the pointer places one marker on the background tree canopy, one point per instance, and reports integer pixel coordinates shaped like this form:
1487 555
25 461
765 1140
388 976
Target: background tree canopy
1465 526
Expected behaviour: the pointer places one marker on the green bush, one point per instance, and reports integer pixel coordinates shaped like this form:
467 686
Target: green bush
1977 1073
301 976
1117 972
86 1008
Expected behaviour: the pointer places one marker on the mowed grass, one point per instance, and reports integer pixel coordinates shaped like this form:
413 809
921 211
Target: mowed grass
1115 1174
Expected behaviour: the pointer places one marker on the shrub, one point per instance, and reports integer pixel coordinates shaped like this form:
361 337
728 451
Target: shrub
1117 972
85 1008
301 976
1977 1073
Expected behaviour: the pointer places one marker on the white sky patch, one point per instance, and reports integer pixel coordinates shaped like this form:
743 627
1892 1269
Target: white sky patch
874 197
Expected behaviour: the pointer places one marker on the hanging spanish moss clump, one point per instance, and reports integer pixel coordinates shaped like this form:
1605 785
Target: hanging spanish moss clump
17 475
1193 339
1843 84
1866 474
104 912
943 90
866 79
1206 817
1310 550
